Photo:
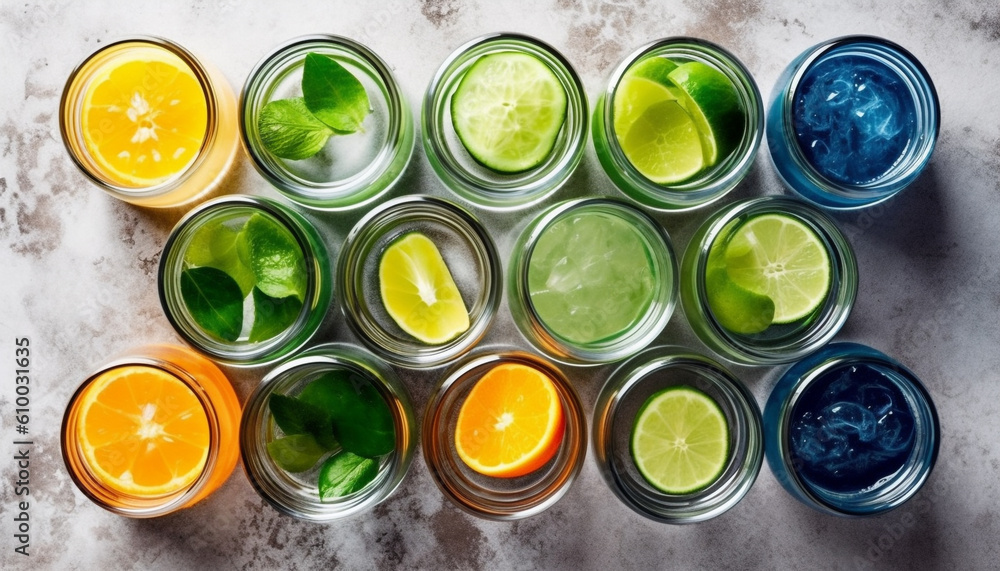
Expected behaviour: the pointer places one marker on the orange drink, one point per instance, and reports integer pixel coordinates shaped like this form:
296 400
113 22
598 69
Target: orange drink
152 432
148 123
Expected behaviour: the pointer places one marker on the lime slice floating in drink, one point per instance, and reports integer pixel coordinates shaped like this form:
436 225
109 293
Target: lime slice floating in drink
633 96
680 440
419 292
780 257
508 111
654 68
713 104
737 309
664 145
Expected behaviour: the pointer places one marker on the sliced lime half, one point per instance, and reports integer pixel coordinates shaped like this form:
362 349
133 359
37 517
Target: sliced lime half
680 440
508 111
780 257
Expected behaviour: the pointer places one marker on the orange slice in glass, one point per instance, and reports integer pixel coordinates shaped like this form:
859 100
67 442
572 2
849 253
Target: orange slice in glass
144 117
143 432
511 423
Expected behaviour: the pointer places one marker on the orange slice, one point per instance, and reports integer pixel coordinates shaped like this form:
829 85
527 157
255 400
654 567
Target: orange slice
144 117
511 423
143 432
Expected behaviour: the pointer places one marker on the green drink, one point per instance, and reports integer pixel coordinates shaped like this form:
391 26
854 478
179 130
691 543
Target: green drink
244 280
592 281
768 280
590 277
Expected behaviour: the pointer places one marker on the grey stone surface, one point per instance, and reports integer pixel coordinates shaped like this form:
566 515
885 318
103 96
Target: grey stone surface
78 271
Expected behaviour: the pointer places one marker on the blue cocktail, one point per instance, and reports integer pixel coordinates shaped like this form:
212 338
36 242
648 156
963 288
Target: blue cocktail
850 431
852 121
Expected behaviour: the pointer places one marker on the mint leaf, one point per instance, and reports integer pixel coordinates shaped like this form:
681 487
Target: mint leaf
294 416
333 94
288 130
345 473
214 300
214 244
272 315
362 421
295 453
274 257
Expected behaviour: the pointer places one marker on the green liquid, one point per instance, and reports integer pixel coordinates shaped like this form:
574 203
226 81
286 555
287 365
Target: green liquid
590 277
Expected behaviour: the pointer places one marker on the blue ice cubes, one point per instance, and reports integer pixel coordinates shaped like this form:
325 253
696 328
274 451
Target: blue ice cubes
853 117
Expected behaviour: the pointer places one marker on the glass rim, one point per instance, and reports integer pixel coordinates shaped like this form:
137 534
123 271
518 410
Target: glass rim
69 125
343 194
711 184
837 307
271 482
354 256
903 486
103 495
528 499
524 189
918 81
315 298
746 446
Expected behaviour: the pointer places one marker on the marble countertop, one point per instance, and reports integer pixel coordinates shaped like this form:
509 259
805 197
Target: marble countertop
79 272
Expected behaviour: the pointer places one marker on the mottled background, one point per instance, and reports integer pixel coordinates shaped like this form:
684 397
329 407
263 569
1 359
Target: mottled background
78 275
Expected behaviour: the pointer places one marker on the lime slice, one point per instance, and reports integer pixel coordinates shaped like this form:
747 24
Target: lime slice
780 257
214 245
418 291
680 440
508 110
663 144
655 68
714 105
632 97
274 257
737 310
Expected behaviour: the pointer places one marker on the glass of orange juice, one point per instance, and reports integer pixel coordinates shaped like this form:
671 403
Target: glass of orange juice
152 432
149 123
504 435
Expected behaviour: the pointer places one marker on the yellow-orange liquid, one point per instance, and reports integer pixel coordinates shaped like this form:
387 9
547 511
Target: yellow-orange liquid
149 124
163 408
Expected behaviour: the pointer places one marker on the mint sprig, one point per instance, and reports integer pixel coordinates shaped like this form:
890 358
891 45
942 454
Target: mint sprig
333 102
339 412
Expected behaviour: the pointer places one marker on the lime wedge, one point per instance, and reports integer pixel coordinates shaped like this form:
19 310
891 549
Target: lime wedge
780 257
714 105
737 310
274 257
632 97
418 291
680 440
655 68
508 110
663 144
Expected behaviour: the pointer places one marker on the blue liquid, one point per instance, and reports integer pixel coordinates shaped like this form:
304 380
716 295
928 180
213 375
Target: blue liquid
854 118
851 429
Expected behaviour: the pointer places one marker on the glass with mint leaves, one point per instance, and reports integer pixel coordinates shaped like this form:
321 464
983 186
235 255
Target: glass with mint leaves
327 434
324 121
244 280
